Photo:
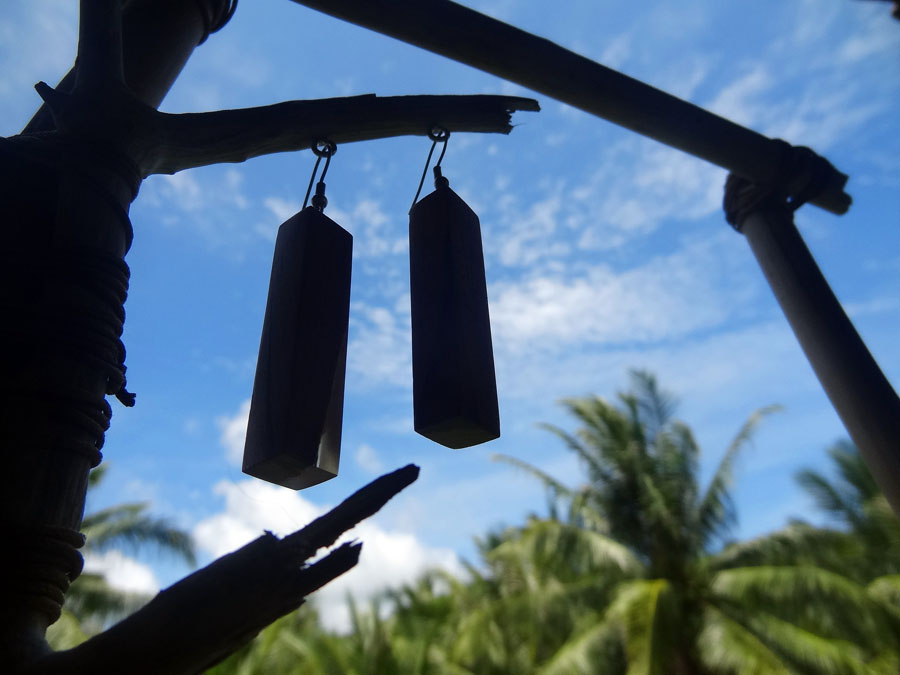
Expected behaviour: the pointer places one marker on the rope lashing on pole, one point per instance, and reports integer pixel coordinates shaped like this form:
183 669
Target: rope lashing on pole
89 332
90 336
744 196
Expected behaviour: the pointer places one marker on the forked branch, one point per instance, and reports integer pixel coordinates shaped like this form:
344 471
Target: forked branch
205 617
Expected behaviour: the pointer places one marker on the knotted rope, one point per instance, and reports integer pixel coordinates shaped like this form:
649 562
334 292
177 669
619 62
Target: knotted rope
743 196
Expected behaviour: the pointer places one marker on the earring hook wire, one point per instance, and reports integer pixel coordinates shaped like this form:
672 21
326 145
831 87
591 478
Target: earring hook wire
437 135
321 148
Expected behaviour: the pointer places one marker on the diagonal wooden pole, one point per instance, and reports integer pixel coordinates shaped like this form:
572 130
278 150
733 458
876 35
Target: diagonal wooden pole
860 393
459 33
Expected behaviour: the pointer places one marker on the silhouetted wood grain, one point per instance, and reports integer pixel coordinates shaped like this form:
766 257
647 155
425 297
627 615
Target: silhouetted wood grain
454 386
294 429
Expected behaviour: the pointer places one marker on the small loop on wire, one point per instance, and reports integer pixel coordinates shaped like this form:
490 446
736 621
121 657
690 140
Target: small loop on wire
321 148
437 135
324 148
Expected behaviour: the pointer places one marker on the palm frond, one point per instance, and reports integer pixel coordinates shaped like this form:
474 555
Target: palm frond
724 645
587 551
96 476
655 405
716 511
579 654
853 470
66 632
814 598
806 651
642 608
597 472
126 526
787 584
797 544
554 486
94 601
827 496
885 591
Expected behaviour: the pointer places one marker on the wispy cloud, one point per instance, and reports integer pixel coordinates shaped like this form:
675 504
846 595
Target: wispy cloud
379 349
529 230
373 232
40 40
232 432
122 572
654 301
633 186
185 191
374 235
368 460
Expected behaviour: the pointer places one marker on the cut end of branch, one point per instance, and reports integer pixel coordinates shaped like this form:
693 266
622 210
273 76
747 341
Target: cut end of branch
325 530
340 560
49 95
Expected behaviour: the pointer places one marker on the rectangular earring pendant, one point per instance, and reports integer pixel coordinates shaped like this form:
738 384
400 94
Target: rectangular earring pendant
294 429
454 386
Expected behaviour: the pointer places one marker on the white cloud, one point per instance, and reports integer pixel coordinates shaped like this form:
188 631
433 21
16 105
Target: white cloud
638 185
379 351
617 51
281 208
37 42
528 234
389 558
876 36
368 460
183 190
188 192
655 301
233 431
740 100
371 228
122 573
814 100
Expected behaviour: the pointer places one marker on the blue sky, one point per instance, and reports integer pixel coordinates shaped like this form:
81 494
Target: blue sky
604 251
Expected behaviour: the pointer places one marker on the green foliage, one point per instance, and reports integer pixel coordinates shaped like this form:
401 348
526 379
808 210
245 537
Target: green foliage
628 574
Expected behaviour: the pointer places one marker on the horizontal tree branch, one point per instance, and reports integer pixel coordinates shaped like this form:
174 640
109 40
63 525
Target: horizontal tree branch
176 142
203 618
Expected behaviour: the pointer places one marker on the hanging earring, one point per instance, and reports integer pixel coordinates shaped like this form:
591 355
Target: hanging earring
454 386
294 429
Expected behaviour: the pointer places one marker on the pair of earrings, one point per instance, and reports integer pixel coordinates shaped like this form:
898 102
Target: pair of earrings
296 412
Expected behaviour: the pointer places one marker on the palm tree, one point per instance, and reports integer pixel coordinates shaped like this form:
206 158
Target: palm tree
91 601
643 540
856 505
627 575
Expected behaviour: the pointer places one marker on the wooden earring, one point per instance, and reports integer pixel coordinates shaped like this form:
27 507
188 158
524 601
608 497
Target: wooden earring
296 412
454 385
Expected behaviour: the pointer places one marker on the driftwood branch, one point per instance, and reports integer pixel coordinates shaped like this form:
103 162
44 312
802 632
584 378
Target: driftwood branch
177 142
205 617
157 142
